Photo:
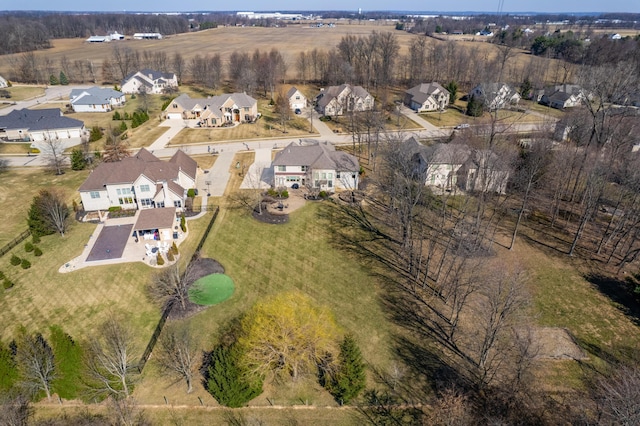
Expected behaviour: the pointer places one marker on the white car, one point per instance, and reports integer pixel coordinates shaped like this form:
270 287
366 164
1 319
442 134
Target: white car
462 126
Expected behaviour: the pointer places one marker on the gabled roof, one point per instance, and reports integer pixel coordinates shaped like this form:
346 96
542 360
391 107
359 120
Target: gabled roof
215 103
149 74
185 163
332 92
422 92
38 119
321 155
439 153
93 96
292 92
129 169
155 219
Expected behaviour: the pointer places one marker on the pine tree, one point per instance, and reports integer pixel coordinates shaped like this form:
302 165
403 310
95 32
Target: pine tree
53 80
67 356
349 379
78 161
63 79
116 116
474 107
123 127
452 88
227 382
8 368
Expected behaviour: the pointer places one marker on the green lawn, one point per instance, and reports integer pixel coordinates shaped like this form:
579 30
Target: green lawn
211 290
25 184
265 259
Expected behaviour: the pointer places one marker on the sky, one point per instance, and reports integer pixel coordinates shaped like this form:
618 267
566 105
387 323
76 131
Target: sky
549 6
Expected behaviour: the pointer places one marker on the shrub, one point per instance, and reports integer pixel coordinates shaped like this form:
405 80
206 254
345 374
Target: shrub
170 256
191 193
272 192
35 239
28 247
25 264
284 194
323 194
183 224
160 260
174 248
115 208
7 283
37 252
2 277
116 116
15 260
95 134
78 160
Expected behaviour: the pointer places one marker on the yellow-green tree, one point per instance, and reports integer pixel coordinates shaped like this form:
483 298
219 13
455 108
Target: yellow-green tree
287 334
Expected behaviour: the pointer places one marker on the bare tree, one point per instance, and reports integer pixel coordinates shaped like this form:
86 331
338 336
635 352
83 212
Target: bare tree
51 211
178 66
110 360
283 110
52 149
35 362
177 354
170 286
15 411
619 396
115 149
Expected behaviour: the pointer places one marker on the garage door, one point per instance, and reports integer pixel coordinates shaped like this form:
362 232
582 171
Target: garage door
174 116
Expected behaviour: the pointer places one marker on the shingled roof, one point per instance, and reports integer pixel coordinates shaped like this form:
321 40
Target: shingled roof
422 92
39 119
321 155
94 96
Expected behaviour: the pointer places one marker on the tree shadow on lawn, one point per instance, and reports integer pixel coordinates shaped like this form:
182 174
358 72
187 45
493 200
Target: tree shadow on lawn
618 291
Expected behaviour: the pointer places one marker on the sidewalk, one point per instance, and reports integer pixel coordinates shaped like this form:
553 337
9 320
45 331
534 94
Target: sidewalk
175 126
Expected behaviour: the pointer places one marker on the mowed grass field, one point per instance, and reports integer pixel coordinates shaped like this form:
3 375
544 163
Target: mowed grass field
264 260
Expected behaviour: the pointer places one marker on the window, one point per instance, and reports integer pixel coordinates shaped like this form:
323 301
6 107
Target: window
297 97
337 175
124 191
330 176
95 194
160 204
246 109
282 168
146 202
293 179
330 183
144 188
304 168
177 203
324 176
125 200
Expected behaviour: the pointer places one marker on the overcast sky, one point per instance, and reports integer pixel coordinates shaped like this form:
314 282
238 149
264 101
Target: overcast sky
550 6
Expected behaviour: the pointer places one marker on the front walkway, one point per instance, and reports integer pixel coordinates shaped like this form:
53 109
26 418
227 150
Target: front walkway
260 173
175 126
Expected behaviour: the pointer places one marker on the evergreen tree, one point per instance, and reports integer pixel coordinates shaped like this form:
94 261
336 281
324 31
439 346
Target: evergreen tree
116 116
78 161
63 79
452 88
123 127
349 380
525 88
227 382
95 134
8 369
36 221
67 356
53 80
474 107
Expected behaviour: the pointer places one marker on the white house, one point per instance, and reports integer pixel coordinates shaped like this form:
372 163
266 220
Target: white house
427 97
317 165
140 182
148 81
99 39
39 125
96 99
297 100
339 100
495 95
3 82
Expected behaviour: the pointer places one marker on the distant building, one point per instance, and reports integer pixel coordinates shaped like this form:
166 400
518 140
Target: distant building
147 36
96 99
339 100
99 39
149 81
427 97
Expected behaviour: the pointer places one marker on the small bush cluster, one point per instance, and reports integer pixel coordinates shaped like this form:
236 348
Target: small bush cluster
35 239
95 134
191 193
280 193
170 256
138 118
160 260
15 260
174 249
323 194
183 224
25 264
28 247
7 283
37 252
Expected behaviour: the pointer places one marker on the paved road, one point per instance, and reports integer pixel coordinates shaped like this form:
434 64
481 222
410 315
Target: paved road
52 93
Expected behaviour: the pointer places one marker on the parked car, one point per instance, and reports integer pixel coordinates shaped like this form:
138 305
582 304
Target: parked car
298 111
295 186
462 126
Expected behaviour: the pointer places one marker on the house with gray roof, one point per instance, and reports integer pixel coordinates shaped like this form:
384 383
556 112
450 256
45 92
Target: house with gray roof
562 96
96 99
495 95
427 97
149 81
315 165
214 111
340 100
39 125
141 181
297 99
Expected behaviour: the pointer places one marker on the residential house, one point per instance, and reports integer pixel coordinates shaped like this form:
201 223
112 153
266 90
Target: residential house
297 100
140 182
148 81
438 164
562 96
96 99
214 111
427 97
455 165
3 82
495 95
39 125
339 100
316 165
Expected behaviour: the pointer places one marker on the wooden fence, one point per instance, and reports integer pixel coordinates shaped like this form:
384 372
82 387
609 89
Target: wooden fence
11 244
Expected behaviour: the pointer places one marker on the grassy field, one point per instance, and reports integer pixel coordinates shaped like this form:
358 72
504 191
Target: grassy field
21 93
27 183
15 148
